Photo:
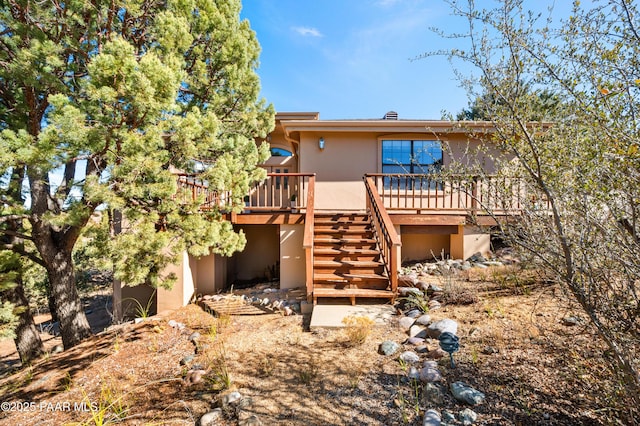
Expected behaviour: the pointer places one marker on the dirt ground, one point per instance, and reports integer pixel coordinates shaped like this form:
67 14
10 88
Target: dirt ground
515 347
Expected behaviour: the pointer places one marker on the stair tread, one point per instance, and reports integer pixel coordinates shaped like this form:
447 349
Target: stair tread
343 250
348 277
361 224
321 292
344 240
350 232
353 263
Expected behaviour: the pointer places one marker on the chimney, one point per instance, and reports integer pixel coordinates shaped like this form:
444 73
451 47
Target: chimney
391 115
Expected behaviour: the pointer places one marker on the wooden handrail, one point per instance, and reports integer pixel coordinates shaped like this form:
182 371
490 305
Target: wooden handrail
455 192
307 239
388 238
275 193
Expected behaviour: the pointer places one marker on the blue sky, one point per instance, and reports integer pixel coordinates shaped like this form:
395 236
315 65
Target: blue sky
352 58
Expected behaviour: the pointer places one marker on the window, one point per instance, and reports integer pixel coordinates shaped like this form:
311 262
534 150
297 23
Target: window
286 179
410 157
280 152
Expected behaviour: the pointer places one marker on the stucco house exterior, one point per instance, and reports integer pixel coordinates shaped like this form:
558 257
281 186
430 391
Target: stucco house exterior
345 203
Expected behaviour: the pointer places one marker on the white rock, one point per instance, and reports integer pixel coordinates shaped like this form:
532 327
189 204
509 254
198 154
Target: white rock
423 319
230 398
211 418
405 323
445 325
409 357
431 418
417 331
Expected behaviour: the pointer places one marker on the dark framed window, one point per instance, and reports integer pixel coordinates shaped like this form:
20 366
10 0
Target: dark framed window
410 157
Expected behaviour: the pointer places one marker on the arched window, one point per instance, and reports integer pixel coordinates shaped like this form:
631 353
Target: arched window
280 152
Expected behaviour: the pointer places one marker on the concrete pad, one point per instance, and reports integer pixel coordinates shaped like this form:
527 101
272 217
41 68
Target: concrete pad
331 316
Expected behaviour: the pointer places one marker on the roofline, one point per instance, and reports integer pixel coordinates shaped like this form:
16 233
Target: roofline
404 126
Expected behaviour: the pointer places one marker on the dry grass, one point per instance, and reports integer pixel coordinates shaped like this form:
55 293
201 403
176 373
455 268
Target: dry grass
541 371
357 328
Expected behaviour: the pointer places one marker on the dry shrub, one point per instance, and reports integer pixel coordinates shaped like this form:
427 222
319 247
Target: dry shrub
357 328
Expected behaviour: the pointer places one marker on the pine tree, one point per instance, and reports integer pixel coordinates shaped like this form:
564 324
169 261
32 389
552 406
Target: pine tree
100 103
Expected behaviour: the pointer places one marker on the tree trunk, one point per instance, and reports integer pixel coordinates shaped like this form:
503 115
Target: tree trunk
28 342
74 326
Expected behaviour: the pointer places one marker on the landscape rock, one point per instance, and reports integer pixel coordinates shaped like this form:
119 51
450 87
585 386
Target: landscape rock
434 305
430 364
432 394
433 288
415 341
186 360
409 357
422 349
405 323
424 319
407 281
467 416
413 313
423 286
465 393
176 324
430 375
418 331
212 418
251 421
489 350
193 377
413 373
231 398
477 257
445 325
406 291
448 416
193 337
571 321
388 347
465 266
431 418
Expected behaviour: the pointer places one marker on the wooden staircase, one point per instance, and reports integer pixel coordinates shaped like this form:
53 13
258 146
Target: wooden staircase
346 259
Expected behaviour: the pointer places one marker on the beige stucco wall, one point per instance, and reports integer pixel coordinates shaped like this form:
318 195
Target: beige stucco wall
140 293
347 157
422 246
206 274
292 256
339 167
468 241
183 289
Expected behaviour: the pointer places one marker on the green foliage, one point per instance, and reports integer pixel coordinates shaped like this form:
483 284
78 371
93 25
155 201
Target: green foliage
8 319
101 105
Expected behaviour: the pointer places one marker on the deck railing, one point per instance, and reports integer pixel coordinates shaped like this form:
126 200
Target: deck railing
191 188
433 192
307 237
388 238
279 191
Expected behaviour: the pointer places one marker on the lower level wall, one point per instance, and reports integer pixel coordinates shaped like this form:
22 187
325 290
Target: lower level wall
468 241
423 246
292 256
